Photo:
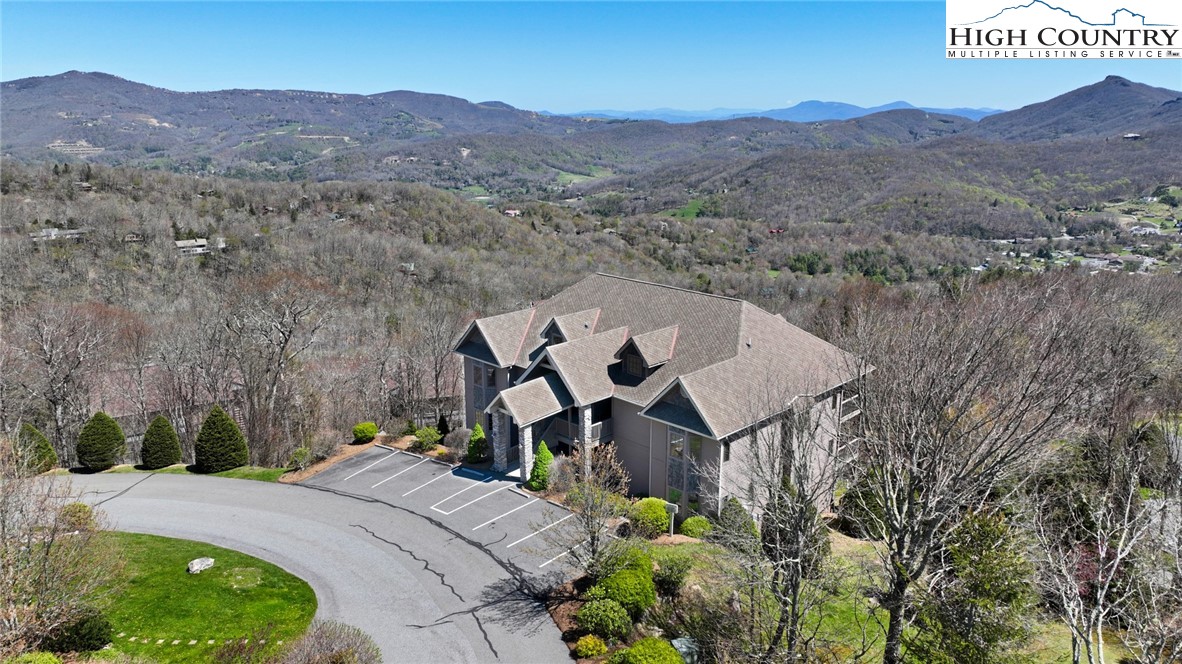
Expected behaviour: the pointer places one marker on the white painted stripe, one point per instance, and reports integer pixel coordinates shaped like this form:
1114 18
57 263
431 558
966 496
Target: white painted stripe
521 507
467 488
369 466
561 554
398 473
540 531
479 475
475 500
434 479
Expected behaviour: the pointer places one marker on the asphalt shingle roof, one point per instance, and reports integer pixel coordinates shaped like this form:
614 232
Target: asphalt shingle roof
729 353
536 399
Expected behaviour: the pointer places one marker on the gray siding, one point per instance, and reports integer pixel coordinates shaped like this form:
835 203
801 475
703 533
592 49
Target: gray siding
734 480
631 432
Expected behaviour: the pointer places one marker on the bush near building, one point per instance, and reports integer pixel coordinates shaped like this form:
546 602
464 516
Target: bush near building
364 432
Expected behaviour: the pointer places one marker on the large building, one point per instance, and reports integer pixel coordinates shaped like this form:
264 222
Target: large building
678 380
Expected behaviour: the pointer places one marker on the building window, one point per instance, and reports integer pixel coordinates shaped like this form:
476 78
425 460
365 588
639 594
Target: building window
633 366
555 339
484 375
676 443
726 452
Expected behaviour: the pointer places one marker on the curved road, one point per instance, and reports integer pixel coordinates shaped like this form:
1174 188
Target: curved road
424 592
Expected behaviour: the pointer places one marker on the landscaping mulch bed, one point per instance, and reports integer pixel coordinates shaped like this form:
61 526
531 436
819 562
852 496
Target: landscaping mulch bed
563 604
343 452
403 443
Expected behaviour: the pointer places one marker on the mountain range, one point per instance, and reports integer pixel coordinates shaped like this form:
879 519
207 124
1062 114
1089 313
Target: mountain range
491 146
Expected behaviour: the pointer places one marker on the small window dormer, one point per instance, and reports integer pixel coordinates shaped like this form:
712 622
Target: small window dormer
634 365
553 334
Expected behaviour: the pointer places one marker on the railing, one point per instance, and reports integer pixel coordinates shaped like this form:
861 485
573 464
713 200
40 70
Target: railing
569 431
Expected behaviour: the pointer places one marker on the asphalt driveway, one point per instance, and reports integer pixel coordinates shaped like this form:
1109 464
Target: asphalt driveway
414 570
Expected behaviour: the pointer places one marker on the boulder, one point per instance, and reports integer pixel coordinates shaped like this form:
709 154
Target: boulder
199 565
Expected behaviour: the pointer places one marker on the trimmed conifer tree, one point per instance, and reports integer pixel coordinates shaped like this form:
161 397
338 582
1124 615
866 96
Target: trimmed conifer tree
161 446
220 443
539 478
100 443
35 449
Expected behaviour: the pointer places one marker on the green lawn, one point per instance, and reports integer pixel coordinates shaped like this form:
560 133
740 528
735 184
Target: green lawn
257 473
156 599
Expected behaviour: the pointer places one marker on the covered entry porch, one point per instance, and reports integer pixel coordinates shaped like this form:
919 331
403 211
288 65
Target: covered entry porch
543 410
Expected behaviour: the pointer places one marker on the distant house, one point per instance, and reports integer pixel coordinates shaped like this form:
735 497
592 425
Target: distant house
512 213
1145 230
198 246
194 247
60 234
132 238
678 380
1131 137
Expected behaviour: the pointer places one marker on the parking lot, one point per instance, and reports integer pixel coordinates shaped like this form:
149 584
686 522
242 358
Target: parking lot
487 508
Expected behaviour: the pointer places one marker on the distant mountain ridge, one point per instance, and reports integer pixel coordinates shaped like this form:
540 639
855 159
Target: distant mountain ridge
805 111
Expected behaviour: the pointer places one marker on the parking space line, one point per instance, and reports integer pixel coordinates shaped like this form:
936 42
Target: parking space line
398 473
539 532
520 507
479 475
474 500
369 466
562 554
471 486
433 479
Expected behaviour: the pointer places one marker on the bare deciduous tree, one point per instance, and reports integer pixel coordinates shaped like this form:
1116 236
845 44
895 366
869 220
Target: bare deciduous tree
59 346
1152 612
966 394
779 567
596 500
272 322
1087 542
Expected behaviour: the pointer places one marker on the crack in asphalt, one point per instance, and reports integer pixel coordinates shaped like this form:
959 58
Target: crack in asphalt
426 563
139 482
522 586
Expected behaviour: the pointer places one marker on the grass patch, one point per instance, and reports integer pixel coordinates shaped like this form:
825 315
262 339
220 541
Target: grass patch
597 172
690 211
474 190
257 473
158 599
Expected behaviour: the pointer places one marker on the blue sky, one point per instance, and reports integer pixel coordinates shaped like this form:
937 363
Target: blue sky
557 56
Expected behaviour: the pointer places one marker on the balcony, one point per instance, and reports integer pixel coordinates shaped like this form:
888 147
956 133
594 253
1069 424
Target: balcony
568 432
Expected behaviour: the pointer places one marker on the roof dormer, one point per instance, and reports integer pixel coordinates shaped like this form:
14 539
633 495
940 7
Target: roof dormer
652 348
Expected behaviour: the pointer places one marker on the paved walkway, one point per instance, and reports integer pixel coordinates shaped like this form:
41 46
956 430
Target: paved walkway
426 591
